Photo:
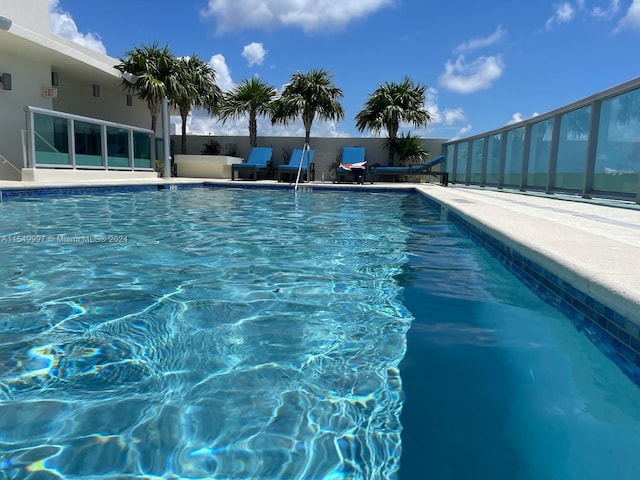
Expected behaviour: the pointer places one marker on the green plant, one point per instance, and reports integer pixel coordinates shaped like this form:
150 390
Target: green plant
408 149
212 147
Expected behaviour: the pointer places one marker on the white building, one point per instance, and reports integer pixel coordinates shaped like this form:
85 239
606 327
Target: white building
45 71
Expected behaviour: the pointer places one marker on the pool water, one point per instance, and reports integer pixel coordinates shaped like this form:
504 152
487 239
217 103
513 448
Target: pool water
257 334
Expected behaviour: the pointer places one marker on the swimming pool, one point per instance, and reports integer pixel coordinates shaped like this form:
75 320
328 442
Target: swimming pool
218 333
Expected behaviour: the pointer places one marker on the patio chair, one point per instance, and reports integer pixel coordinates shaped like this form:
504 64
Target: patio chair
352 164
259 161
307 172
422 169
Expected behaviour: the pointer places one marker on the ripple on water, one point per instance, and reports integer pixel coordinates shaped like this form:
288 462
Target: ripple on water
209 345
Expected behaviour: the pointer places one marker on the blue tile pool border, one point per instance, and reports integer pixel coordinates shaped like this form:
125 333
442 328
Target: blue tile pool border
618 337
16 193
40 192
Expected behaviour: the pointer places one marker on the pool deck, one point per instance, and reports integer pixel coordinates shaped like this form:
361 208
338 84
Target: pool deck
594 245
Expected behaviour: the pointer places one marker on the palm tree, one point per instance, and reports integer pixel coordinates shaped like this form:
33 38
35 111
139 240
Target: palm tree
392 104
154 71
195 86
408 148
253 97
307 95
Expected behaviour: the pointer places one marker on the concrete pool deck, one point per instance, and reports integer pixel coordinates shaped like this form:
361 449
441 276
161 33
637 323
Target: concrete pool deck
592 245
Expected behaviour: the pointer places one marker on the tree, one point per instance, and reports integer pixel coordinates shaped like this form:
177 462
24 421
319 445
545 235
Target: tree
307 95
154 71
253 97
392 104
194 86
408 148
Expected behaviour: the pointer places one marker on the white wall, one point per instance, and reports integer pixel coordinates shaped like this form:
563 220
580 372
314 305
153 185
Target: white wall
76 96
31 14
27 81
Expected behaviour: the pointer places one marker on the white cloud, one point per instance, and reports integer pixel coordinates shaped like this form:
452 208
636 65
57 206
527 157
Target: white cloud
61 23
309 15
465 77
598 12
201 123
564 13
476 43
254 53
631 21
464 130
517 118
223 74
454 115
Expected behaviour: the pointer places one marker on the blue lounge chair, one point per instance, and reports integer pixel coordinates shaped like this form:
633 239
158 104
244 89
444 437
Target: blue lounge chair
298 155
259 161
352 164
423 169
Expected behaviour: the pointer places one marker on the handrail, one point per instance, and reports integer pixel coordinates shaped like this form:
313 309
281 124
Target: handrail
305 148
4 160
96 121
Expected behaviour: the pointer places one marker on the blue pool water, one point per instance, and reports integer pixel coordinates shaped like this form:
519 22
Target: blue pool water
255 334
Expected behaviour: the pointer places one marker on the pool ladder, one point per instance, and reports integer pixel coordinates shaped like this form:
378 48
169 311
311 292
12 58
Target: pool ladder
305 149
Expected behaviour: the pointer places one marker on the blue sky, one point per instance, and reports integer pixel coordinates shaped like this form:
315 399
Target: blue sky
486 64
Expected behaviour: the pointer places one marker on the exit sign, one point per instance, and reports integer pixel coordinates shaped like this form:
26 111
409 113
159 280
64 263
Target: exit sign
50 92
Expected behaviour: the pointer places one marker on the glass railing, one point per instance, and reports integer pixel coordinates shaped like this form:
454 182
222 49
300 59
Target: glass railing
590 147
62 140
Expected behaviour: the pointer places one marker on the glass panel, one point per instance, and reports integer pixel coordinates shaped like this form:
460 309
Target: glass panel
449 154
539 151
461 162
513 159
493 159
476 160
618 153
572 148
141 150
88 144
117 147
51 140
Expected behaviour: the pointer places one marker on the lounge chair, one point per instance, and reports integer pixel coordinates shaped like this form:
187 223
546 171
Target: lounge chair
259 161
352 164
307 173
423 169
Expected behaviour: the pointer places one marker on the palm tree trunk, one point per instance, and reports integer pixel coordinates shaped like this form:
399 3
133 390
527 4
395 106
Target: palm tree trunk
154 108
184 114
253 129
183 146
307 119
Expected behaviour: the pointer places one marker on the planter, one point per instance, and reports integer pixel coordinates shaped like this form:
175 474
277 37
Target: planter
205 166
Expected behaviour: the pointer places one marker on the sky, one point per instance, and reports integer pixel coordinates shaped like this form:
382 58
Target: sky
486 64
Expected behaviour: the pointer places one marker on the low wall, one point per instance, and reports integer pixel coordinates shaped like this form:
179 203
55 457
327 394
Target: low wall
68 174
327 150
